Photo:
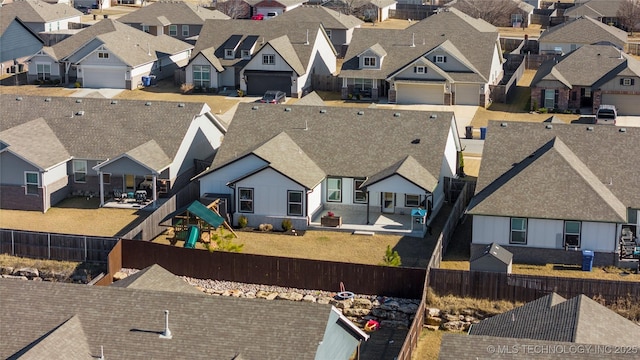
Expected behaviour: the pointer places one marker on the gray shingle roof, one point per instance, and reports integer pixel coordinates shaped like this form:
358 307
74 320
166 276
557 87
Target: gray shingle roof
475 39
601 60
34 11
409 169
497 252
297 53
66 341
312 99
338 140
176 12
134 47
106 130
552 318
155 277
150 154
595 9
528 169
329 18
48 151
584 30
127 322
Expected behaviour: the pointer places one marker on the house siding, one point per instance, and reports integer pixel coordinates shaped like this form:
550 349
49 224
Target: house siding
201 60
12 169
14 198
17 42
256 64
200 142
314 201
216 181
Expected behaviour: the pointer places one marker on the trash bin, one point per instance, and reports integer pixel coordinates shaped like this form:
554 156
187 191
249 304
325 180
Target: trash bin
483 133
146 81
468 132
587 260
153 80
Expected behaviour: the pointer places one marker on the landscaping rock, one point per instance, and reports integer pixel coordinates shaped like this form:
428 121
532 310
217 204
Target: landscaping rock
341 304
309 298
6 270
266 295
469 319
431 327
394 324
380 313
408 308
324 300
390 305
250 295
289 296
433 311
362 304
451 317
356 312
433 320
456 325
14 277
119 276
27 271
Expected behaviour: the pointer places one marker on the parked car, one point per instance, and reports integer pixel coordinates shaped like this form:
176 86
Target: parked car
274 97
606 114
83 9
271 15
257 17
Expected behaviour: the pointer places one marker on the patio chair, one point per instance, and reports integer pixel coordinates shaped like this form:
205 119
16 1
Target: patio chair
141 196
117 195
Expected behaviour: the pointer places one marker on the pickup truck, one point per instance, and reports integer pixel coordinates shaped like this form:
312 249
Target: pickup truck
606 114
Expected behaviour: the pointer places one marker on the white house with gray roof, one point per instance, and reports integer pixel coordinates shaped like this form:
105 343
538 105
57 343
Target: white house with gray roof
41 16
446 59
566 37
546 191
96 146
109 54
256 56
299 162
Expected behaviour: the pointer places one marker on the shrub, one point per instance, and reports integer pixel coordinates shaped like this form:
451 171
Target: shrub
186 88
287 225
77 84
243 221
542 110
391 258
265 227
535 105
240 93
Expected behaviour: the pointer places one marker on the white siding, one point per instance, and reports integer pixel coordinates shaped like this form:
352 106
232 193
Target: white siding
599 236
489 229
54 174
314 199
395 184
216 182
256 62
323 64
450 158
544 233
497 71
142 70
409 73
269 192
201 60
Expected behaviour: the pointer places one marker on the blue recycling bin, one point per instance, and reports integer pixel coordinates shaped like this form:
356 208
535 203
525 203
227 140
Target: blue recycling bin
587 260
483 133
146 81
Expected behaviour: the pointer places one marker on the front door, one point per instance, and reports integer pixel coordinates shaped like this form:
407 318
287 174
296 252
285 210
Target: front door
388 202
129 183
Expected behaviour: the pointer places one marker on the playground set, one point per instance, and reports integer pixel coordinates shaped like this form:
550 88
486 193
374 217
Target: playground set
191 222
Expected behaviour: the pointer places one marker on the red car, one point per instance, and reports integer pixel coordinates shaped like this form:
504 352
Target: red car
257 17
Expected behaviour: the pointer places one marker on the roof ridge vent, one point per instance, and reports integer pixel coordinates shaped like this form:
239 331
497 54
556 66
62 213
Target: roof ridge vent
254 108
19 98
80 113
360 112
78 101
548 126
622 130
323 111
589 128
503 124
148 103
113 102
47 99
433 116
396 114
181 105
166 334
287 109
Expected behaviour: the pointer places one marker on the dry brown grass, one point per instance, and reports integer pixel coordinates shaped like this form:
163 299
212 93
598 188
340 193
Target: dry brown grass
388 24
428 345
71 216
532 30
472 164
35 90
454 304
329 246
65 267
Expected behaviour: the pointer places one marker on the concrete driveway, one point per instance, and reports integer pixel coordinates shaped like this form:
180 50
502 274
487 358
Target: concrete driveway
630 121
96 93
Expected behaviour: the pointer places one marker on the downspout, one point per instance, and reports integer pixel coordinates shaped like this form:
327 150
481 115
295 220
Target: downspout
101 188
306 207
67 65
367 192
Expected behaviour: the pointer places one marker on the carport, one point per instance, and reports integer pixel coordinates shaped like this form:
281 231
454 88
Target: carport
258 82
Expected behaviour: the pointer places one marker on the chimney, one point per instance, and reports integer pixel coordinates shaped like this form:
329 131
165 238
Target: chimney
166 334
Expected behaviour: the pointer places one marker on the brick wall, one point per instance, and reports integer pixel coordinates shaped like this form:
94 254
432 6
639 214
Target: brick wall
14 198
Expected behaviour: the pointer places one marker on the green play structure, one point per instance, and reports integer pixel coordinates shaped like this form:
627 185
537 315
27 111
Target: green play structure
191 221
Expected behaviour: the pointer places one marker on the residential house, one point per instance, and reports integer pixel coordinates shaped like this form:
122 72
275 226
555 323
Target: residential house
180 20
96 146
368 10
552 327
613 78
147 318
517 15
547 190
18 42
265 7
338 26
256 56
109 54
40 16
605 11
300 162
566 37
456 66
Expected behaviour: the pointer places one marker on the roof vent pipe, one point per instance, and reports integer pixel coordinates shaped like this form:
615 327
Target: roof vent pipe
413 39
101 352
166 334
307 41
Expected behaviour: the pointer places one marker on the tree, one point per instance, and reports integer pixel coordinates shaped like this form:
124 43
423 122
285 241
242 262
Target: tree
495 12
235 9
391 257
629 14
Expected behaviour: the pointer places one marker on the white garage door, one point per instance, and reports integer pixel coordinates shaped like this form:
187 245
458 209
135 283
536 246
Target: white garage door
104 78
626 104
420 94
467 94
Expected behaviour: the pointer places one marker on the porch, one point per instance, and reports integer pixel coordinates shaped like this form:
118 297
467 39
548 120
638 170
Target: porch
353 220
132 203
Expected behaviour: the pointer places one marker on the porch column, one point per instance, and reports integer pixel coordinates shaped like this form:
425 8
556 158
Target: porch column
153 186
367 207
101 188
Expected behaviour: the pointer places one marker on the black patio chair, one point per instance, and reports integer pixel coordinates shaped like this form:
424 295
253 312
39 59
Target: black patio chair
117 195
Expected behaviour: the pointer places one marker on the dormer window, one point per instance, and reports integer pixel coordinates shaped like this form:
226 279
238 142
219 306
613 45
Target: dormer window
420 70
440 59
245 54
268 59
369 61
228 53
103 55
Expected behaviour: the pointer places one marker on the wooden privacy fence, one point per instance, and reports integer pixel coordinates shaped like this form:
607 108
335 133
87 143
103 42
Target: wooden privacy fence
326 83
41 245
525 288
278 271
634 48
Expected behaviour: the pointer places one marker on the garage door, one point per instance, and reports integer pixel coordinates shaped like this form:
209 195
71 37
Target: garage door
419 94
467 94
103 78
259 83
626 104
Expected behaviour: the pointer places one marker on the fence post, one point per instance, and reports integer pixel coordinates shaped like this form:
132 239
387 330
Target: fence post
85 248
48 245
13 245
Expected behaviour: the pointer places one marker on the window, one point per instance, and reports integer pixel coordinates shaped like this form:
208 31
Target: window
31 182
245 54
572 234
411 200
106 178
44 71
359 195
145 28
246 200
80 171
173 30
185 30
228 53
369 61
334 189
268 59
420 70
549 98
103 55
587 92
518 231
328 33
294 203
201 76
627 82
440 59
363 84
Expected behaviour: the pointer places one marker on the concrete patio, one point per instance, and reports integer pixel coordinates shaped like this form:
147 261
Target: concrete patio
392 224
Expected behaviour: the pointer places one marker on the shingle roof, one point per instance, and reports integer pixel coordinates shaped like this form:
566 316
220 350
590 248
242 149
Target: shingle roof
329 18
595 9
410 169
497 252
552 318
150 154
339 140
34 11
538 163
134 47
6 19
474 39
127 322
312 99
155 277
48 150
175 12
601 60
297 53
584 30
107 128
283 46
66 341
275 3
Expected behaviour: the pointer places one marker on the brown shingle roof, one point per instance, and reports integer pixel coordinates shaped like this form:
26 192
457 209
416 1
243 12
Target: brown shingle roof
175 12
329 18
34 11
584 30
48 151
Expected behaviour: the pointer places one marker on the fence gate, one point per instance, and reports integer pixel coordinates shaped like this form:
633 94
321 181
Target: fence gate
452 188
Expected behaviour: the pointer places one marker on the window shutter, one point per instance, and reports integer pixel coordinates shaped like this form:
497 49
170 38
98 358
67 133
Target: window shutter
415 69
621 81
633 81
445 58
556 98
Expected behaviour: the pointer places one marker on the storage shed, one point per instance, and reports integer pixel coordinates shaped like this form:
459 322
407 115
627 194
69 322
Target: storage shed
494 258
